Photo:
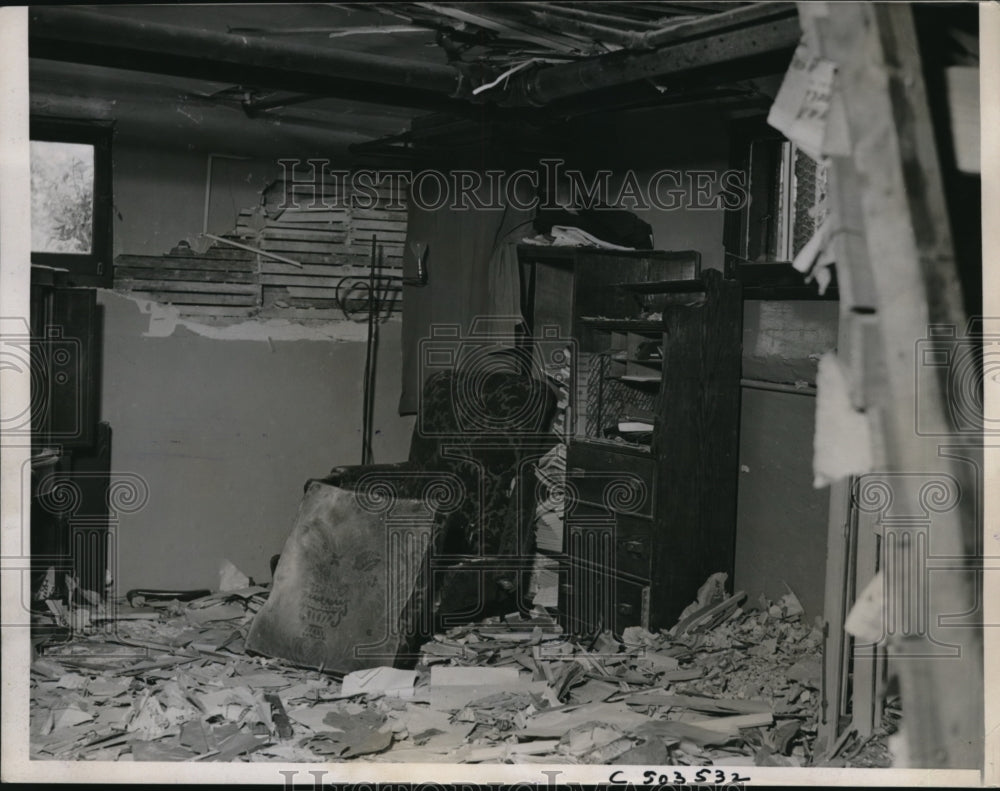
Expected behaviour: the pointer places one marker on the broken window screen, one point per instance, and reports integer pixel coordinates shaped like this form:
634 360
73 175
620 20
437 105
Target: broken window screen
62 197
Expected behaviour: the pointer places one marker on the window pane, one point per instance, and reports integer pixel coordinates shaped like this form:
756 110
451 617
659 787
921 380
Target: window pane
62 197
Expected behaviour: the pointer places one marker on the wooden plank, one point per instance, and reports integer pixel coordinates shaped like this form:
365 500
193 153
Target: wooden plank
306 216
207 276
184 298
378 224
866 661
218 311
290 246
383 238
900 195
325 270
305 205
338 188
187 262
214 252
317 314
323 292
186 285
378 214
325 282
835 607
346 258
320 235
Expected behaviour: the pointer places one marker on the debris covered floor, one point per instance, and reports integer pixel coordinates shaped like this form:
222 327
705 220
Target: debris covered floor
732 685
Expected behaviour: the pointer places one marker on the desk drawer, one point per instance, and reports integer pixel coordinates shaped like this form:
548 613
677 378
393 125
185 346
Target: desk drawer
633 546
619 482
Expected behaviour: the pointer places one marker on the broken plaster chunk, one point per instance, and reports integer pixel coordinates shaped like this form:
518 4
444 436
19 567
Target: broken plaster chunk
231 578
387 680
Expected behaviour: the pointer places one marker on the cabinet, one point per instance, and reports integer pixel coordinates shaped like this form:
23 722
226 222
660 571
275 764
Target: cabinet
652 428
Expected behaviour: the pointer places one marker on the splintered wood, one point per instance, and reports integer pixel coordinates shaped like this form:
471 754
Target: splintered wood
174 683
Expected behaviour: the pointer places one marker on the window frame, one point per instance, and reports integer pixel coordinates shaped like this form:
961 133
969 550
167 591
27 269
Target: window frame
94 268
771 275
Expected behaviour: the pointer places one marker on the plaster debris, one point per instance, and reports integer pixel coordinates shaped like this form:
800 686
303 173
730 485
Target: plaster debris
166 320
172 682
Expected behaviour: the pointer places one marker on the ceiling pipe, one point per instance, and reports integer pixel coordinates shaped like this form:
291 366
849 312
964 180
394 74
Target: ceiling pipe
103 39
156 122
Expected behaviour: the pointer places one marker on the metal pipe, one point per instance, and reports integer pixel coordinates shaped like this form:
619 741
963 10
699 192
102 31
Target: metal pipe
98 36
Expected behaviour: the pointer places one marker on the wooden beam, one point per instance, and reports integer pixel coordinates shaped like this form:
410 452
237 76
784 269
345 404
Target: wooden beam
905 274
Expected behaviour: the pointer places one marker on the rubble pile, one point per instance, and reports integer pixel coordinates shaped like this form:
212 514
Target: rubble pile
730 684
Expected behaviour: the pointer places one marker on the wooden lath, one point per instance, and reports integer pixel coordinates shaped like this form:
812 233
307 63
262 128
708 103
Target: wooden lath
314 261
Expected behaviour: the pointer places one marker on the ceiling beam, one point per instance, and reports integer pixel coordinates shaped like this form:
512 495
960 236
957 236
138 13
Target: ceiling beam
758 39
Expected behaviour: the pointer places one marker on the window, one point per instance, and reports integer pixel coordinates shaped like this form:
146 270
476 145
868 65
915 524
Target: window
71 199
787 191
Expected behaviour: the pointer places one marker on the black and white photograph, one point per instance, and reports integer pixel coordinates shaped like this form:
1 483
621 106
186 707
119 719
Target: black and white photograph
489 393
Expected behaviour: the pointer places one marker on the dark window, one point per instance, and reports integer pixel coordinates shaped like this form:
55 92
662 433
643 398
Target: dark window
787 192
71 199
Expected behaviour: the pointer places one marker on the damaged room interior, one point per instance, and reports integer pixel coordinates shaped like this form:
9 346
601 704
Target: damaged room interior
475 383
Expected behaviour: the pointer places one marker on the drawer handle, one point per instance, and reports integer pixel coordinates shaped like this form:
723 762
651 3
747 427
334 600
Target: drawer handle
635 547
625 609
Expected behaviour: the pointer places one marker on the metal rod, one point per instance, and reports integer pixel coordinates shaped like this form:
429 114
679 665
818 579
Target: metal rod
760 384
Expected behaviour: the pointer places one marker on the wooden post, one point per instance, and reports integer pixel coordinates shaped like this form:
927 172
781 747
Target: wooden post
895 261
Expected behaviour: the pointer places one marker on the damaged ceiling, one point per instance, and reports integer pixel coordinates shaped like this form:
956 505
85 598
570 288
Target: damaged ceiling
352 73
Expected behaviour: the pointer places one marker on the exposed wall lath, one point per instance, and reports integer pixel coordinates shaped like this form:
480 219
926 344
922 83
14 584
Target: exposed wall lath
306 257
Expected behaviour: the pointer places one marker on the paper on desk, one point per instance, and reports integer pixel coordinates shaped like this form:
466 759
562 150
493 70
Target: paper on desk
389 680
842 442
